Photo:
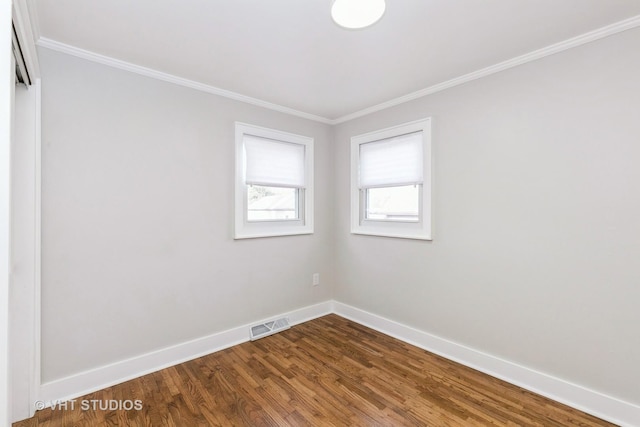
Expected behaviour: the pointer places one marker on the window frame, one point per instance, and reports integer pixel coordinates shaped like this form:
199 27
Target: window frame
245 229
421 229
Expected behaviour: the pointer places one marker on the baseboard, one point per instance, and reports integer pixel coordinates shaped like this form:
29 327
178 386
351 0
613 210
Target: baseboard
581 398
96 379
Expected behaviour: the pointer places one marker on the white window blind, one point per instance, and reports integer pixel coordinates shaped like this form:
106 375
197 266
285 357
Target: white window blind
273 163
392 162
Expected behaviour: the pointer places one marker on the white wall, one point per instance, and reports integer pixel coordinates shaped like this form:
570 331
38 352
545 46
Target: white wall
6 88
536 207
137 212
535 219
23 279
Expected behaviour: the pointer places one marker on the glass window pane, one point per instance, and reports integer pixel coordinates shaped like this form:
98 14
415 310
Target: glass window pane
393 203
272 203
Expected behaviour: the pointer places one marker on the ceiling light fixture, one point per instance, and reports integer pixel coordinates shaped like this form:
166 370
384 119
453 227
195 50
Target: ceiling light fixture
356 14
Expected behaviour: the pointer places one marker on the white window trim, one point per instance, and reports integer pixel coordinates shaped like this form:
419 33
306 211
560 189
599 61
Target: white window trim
253 229
407 230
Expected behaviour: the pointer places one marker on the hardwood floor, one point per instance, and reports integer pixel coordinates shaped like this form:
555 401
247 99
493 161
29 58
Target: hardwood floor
326 372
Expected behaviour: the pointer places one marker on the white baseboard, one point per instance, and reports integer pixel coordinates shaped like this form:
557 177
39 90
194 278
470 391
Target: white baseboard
86 382
589 401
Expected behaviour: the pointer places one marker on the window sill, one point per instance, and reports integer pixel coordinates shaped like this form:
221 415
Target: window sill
251 234
417 234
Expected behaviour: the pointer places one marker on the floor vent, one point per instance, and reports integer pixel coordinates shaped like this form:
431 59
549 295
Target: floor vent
269 328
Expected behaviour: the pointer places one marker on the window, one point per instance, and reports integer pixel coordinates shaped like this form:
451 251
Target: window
391 182
274 183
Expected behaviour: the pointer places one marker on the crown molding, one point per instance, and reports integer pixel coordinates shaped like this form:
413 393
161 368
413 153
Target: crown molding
149 72
580 40
591 36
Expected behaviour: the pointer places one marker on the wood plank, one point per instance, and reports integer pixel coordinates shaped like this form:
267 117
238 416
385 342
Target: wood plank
326 372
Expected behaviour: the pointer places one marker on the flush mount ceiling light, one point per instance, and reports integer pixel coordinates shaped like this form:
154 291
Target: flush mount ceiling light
355 14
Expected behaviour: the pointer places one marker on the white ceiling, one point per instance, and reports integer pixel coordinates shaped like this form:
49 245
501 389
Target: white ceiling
290 53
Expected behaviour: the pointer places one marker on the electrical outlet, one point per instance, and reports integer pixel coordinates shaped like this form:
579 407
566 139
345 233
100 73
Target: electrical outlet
316 279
